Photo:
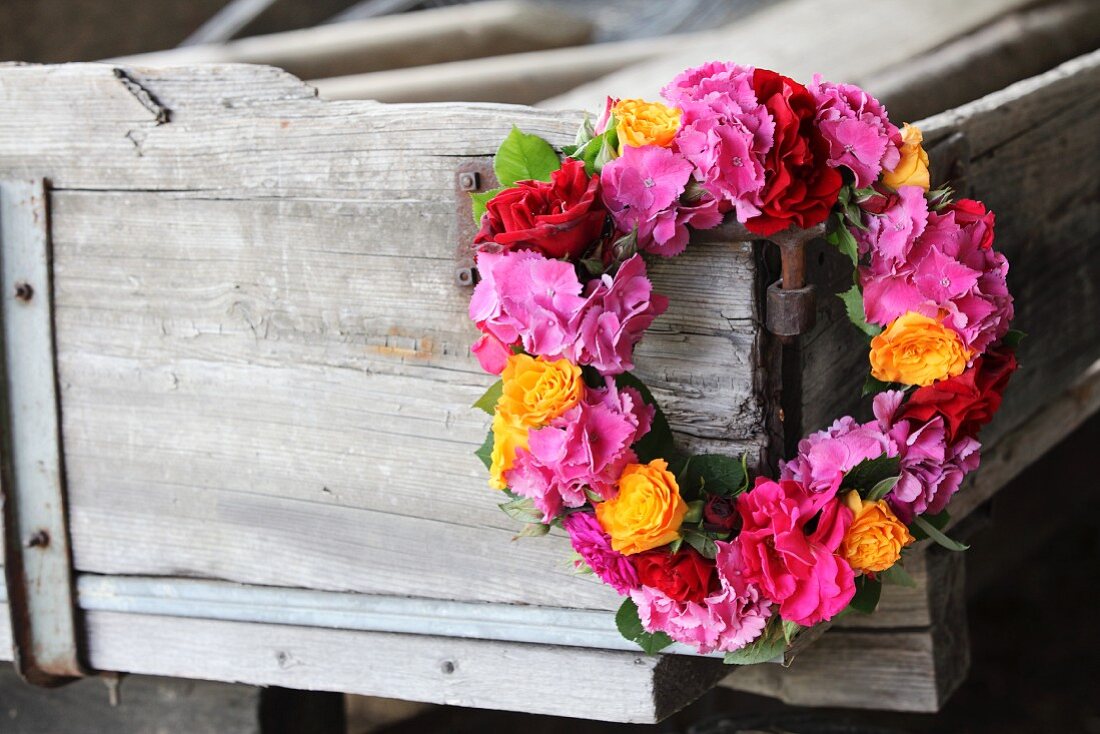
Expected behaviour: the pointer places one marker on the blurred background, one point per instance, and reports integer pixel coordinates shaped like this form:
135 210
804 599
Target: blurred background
1035 660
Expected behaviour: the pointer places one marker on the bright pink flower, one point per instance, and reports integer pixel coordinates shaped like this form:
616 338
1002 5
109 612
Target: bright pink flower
725 132
491 353
799 571
932 469
614 317
586 447
826 456
897 220
642 190
726 620
594 546
857 129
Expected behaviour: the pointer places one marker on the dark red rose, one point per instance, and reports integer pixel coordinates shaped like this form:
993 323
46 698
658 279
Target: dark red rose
559 219
720 513
800 188
683 576
969 213
966 402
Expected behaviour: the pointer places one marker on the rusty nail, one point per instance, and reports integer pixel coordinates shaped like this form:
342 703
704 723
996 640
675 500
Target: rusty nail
23 291
40 539
464 276
469 181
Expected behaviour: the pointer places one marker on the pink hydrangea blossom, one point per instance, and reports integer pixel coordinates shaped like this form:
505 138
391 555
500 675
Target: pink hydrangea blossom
642 190
946 268
726 620
594 546
798 570
857 129
725 132
826 456
586 447
525 299
932 469
615 315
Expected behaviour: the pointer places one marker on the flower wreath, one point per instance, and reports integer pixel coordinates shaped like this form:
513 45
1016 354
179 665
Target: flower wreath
704 556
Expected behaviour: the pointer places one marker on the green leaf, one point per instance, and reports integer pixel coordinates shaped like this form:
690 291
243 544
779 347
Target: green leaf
843 240
488 401
853 304
523 157
896 575
715 474
630 627
485 451
868 591
939 522
522 509
701 542
872 386
695 512
868 473
882 489
790 630
656 444
532 530
674 546
480 200
768 646
1013 338
937 535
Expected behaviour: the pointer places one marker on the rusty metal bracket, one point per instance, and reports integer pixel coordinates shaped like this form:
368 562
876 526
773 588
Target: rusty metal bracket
471 177
37 559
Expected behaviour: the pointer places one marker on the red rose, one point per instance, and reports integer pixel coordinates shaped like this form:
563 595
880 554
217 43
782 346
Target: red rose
968 213
560 218
966 402
683 576
720 513
800 188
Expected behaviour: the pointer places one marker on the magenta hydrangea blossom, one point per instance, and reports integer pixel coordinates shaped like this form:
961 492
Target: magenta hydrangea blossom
932 469
857 129
642 189
726 620
585 448
594 545
616 313
725 132
946 268
525 299
826 456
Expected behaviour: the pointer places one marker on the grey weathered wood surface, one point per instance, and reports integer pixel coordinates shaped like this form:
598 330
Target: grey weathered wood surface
788 36
392 42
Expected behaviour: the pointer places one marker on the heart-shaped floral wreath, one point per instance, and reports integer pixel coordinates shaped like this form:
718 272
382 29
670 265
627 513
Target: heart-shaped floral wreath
704 556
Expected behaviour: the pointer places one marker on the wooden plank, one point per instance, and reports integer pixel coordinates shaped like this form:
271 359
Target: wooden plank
788 37
611 686
519 78
393 42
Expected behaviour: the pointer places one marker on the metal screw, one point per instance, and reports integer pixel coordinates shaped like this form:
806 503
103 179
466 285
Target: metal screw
40 539
447 667
464 276
23 291
469 181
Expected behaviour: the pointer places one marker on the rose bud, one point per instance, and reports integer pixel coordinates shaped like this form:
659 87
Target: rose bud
720 513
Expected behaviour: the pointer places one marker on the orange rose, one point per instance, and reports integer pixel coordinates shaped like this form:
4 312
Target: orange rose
648 510
537 391
641 123
508 437
917 350
875 537
912 169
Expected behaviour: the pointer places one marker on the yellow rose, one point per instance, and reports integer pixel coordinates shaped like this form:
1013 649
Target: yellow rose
641 123
537 391
508 437
648 510
917 350
875 537
912 170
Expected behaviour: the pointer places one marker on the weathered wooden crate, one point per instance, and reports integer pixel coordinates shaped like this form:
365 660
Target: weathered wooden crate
263 379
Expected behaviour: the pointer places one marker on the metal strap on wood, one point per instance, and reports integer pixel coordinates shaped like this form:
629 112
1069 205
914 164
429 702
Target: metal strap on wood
37 560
